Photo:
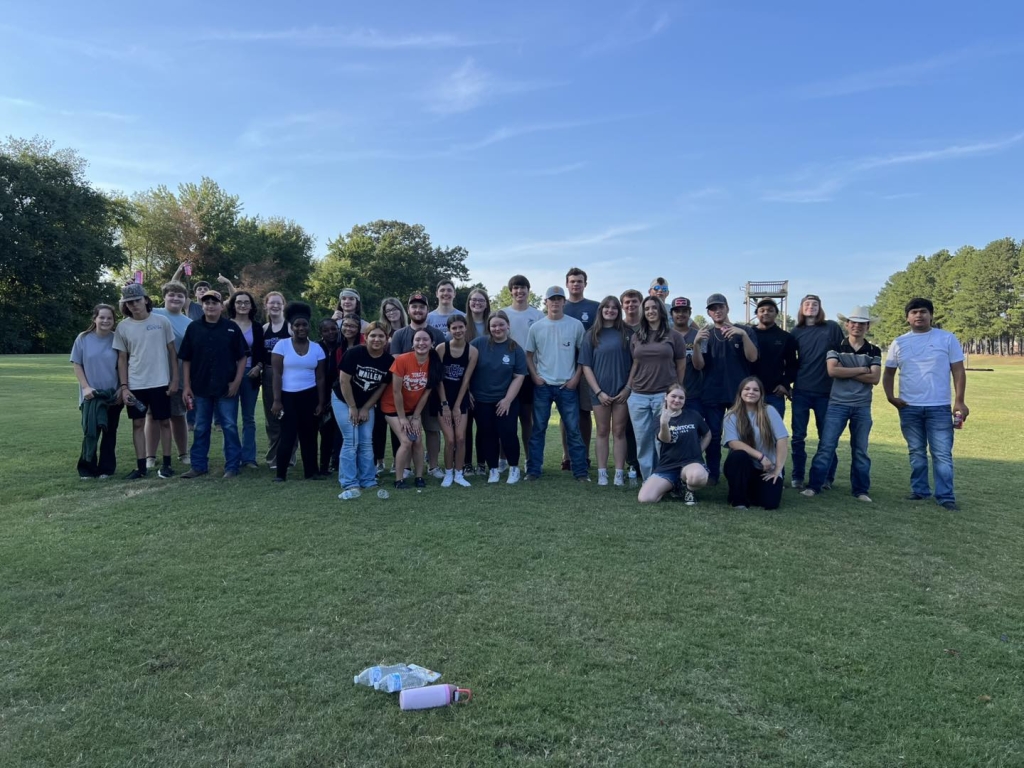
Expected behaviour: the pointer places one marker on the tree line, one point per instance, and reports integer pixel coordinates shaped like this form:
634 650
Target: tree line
978 295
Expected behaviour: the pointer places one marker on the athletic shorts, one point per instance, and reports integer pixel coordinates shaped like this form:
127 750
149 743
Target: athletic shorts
156 401
585 396
525 396
430 423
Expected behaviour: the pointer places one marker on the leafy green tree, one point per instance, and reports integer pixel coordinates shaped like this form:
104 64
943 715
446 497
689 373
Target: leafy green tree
384 258
504 299
57 240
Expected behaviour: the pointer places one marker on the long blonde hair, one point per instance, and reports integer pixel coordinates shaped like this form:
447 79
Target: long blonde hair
761 418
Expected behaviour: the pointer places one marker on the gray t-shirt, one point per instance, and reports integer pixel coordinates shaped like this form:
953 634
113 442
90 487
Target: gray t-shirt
554 344
440 322
730 432
145 342
519 322
610 360
96 354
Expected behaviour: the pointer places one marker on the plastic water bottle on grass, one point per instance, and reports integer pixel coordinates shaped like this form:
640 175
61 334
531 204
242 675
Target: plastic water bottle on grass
372 675
411 676
632 478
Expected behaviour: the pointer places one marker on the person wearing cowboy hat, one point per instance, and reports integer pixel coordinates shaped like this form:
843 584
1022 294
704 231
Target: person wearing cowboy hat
147 367
855 367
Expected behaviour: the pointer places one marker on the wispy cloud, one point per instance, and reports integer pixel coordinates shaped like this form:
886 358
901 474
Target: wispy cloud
344 37
566 244
823 186
898 76
77 113
557 170
135 53
633 28
469 86
287 129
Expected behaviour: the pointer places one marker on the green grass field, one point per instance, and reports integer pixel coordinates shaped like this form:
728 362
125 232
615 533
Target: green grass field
212 622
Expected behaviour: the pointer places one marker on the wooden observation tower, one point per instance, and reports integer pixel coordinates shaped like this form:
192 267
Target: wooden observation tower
778 290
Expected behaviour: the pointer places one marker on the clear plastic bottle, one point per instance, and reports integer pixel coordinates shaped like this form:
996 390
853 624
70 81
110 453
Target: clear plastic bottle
372 675
632 477
382 494
411 676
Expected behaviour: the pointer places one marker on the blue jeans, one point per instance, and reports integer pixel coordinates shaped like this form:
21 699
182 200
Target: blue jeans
226 410
714 417
803 404
356 467
247 397
568 403
777 401
859 419
645 416
929 428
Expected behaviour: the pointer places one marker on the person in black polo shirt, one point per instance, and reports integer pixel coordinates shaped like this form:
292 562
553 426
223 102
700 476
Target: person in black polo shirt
214 351
776 356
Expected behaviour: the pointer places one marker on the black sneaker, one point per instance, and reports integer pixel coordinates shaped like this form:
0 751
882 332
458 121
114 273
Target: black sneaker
401 485
915 497
688 498
136 474
165 472
950 505
420 482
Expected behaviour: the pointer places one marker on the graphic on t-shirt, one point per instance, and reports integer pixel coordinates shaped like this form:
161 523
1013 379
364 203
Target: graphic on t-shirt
454 372
585 317
368 378
505 359
415 381
678 430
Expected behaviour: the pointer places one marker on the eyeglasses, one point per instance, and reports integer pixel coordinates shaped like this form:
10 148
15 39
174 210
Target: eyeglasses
478 301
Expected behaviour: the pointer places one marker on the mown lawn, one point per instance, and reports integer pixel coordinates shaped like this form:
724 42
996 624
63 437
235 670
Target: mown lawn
178 623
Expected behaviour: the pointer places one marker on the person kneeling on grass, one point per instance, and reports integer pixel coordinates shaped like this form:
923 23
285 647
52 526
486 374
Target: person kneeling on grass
758 444
684 437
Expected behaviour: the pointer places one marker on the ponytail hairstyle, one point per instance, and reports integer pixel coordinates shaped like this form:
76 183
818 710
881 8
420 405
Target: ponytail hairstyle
95 314
645 333
618 325
761 418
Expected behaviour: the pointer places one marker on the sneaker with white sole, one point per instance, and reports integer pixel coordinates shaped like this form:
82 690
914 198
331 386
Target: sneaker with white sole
494 476
602 477
446 479
165 472
481 469
184 458
808 492
688 498
620 477
151 462
407 474
798 484
351 493
865 498
436 473
513 475
461 480
502 465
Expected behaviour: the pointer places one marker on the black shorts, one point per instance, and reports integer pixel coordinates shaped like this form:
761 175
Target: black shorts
156 401
526 391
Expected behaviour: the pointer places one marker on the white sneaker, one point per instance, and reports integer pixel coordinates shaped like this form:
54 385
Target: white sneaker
437 473
184 459
620 477
513 475
602 477
461 480
351 493
494 477
864 497
446 481
407 474
502 465
151 462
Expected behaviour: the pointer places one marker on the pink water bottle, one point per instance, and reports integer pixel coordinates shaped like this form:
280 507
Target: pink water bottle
433 696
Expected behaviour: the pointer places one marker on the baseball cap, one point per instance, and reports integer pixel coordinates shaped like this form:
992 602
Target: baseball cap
555 291
716 298
215 295
418 298
681 302
767 303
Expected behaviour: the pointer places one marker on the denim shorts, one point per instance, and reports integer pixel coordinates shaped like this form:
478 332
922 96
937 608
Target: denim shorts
676 478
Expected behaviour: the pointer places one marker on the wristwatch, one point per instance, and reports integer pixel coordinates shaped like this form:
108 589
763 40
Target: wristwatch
444 403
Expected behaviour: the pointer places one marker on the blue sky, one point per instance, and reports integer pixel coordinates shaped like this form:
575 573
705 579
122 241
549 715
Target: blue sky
708 142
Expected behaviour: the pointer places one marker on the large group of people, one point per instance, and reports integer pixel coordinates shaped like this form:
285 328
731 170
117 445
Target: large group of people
666 395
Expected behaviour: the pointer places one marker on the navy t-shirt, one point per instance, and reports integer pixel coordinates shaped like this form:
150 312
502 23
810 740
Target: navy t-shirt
496 364
686 430
584 310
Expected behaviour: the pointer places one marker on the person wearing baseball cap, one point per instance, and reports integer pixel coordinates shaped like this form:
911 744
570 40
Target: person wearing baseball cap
726 353
147 367
401 342
551 358
855 367
814 336
776 362
693 379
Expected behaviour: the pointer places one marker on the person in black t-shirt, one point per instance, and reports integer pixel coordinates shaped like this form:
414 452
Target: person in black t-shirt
776 356
215 352
365 372
684 436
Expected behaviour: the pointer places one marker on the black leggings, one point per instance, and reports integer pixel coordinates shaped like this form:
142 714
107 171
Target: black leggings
493 429
746 486
300 421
